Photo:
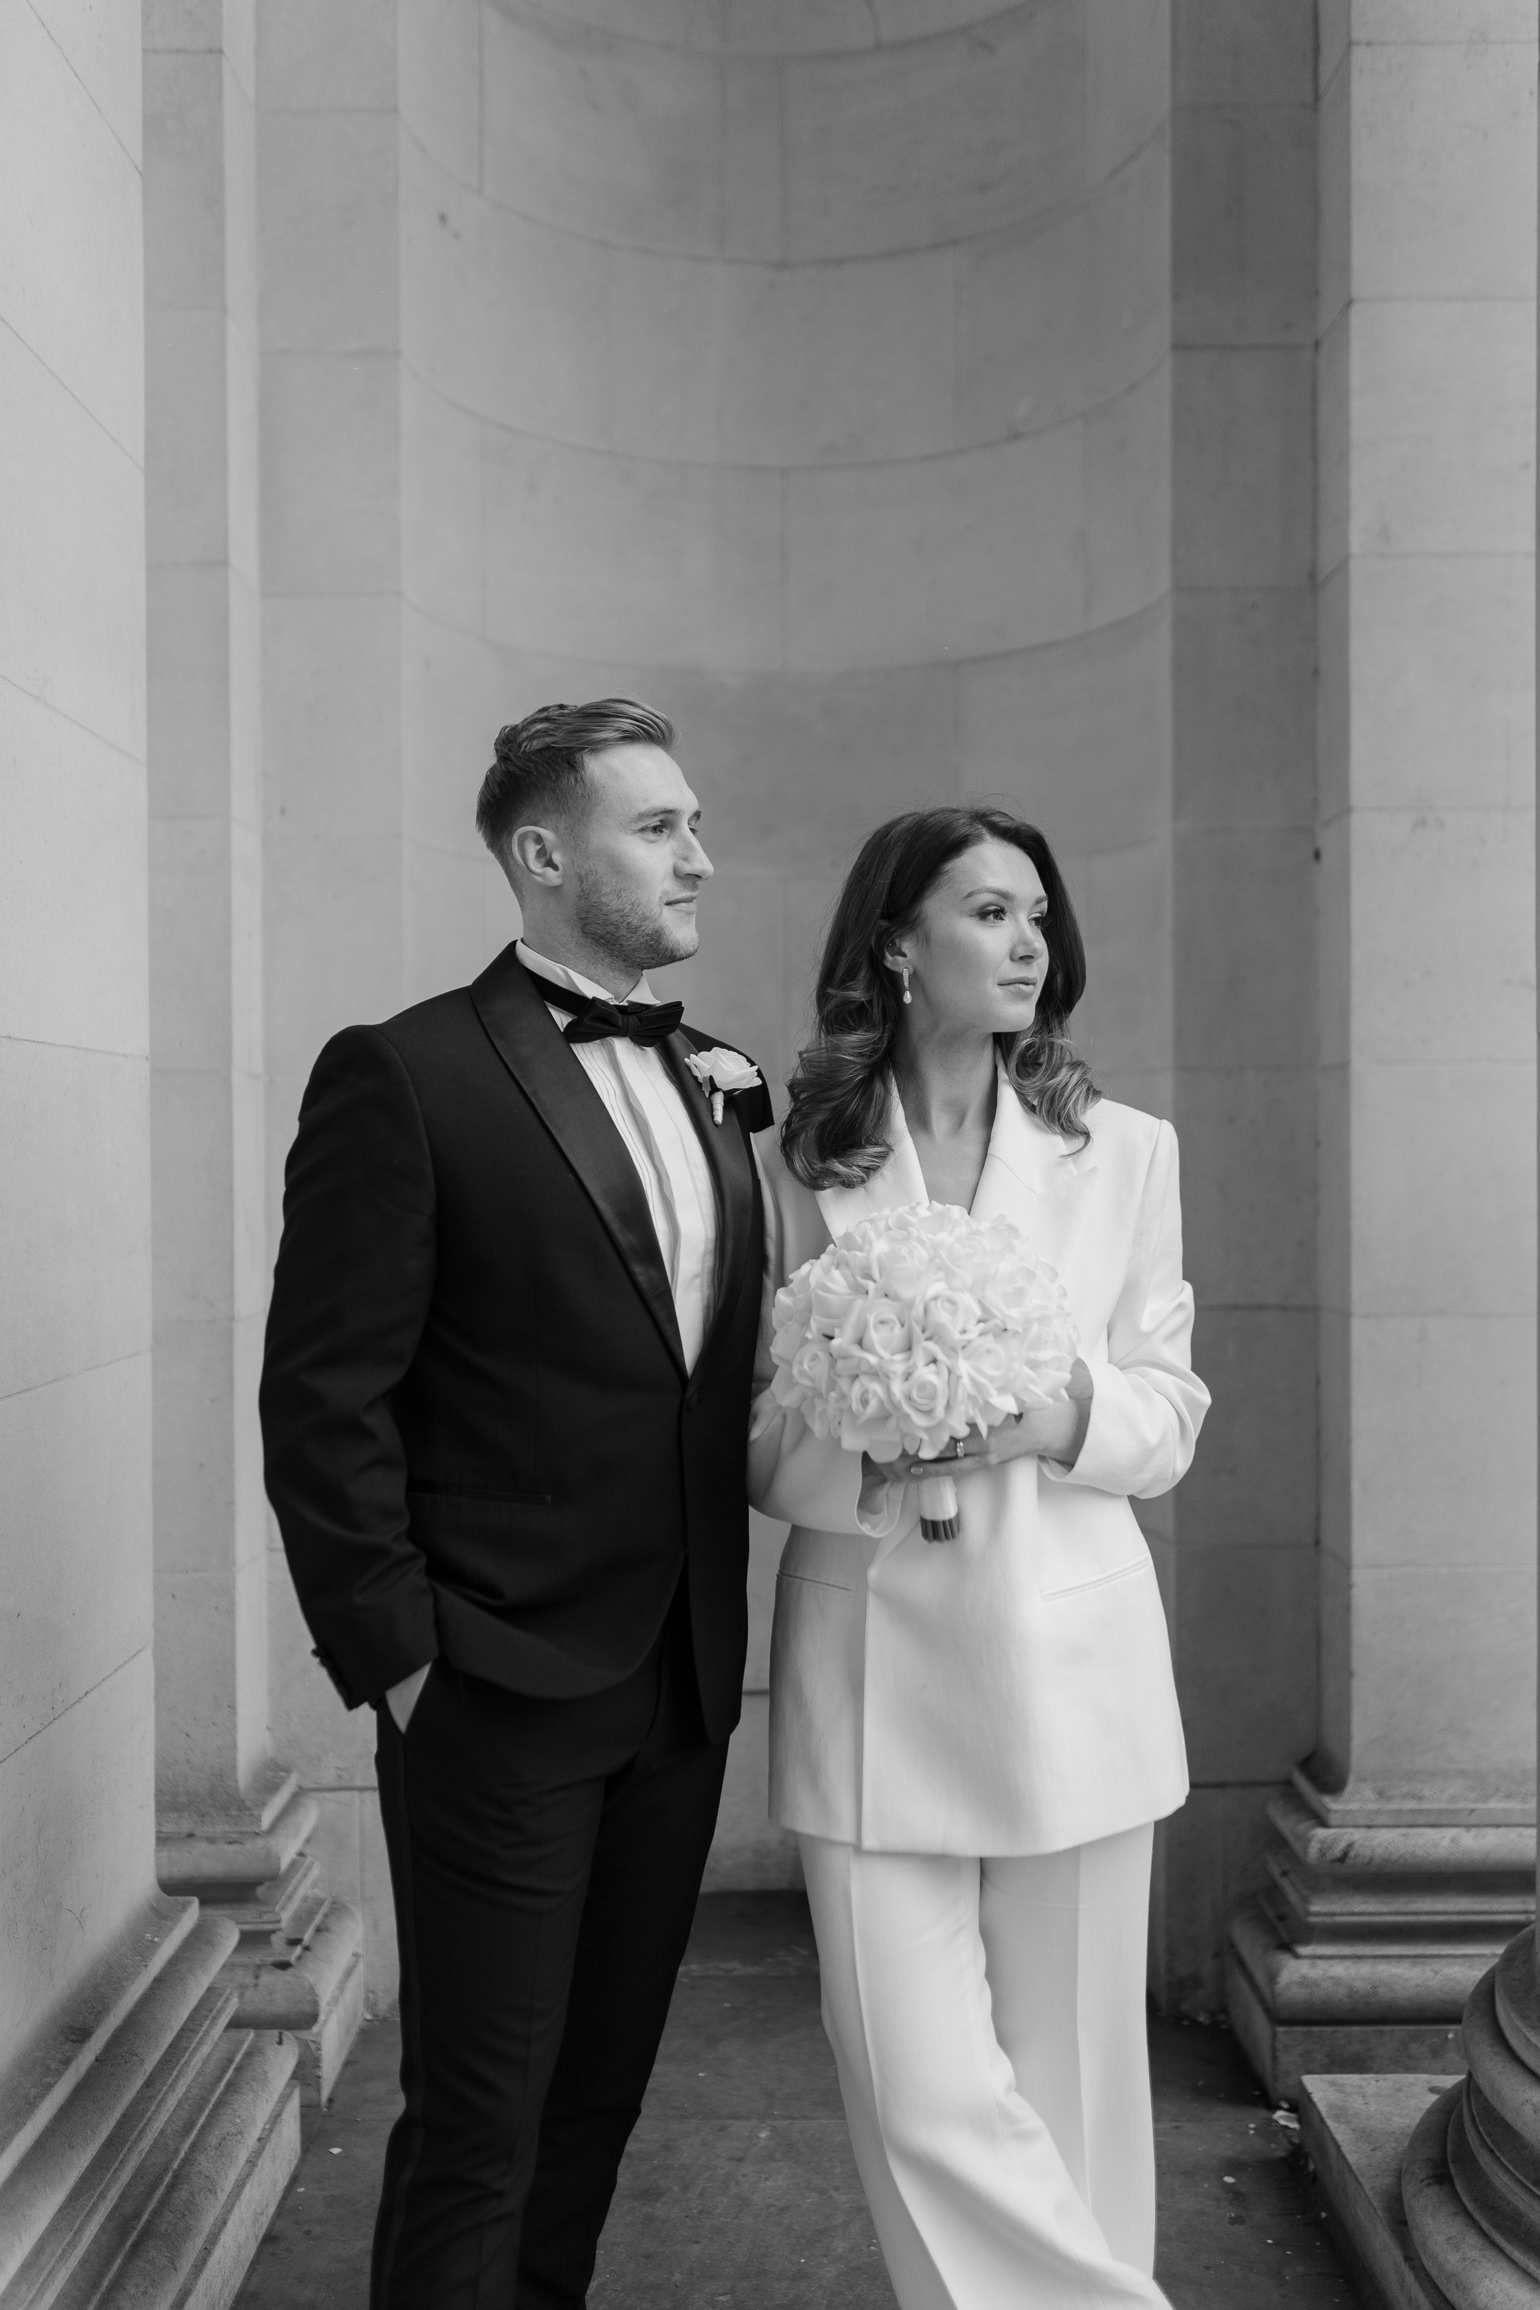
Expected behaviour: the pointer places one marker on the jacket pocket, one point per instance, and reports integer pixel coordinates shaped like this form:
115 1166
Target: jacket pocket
1142 1563
811 1580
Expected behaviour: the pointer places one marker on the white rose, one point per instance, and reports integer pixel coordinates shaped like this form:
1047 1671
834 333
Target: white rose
901 1266
922 1398
949 1317
725 1070
869 1424
886 1333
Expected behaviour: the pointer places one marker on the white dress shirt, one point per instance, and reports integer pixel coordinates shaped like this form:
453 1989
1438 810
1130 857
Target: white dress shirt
646 1107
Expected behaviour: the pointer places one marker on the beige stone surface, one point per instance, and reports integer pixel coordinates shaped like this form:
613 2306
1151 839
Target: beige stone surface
1247 1614
331 426
347 164
74 1238
342 59
1414 1501
692 566
1206 1856
1443 1666
1058 313
1242 458
1127 78
66 793
983 551
1434 705
76 1523
1243 194
70 183
1255 1479
1443 162
932 141
75 1688
75 1802
439 75
74 625
1259 57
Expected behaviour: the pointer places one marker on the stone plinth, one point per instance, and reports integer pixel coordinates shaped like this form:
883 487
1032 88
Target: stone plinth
297 1963
145 2143
1353 2131
1471 2173
1373 1930
1436 2189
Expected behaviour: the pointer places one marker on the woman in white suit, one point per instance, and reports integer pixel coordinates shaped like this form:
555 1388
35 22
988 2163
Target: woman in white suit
972 1740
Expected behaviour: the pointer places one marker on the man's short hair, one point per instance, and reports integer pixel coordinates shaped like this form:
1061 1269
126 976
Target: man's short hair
541 766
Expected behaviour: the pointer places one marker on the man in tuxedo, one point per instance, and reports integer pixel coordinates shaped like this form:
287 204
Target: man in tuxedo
504 1406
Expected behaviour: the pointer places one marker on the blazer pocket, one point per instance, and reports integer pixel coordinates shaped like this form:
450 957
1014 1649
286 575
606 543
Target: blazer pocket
811 1580
1140 1563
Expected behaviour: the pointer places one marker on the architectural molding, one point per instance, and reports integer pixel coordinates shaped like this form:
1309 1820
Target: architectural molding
1471 2176
297 1963
145 2142
1436 2193
1380 1915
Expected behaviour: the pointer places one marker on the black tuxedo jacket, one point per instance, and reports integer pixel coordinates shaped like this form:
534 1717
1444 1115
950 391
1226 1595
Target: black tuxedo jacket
480 1436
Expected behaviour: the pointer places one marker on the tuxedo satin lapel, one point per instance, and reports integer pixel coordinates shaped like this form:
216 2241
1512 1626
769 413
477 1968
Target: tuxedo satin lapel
732 1175
533 1050
1033 1176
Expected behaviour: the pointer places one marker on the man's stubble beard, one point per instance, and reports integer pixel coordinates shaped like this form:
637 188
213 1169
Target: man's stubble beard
615 922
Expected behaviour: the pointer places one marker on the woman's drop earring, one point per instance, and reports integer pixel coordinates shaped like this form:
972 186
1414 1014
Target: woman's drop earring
904 975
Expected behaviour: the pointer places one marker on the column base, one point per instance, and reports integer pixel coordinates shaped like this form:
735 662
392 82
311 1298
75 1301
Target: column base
297 1965
1362 1950
144 2140
1354 2131
1438 2191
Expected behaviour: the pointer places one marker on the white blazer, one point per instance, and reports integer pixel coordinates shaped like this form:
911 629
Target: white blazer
1009 1691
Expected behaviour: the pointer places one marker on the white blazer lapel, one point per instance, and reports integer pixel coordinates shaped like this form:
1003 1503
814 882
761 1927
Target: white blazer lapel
1035 1177
900 1180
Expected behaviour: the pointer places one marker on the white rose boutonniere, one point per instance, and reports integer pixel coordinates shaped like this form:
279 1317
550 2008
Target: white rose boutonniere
722 1073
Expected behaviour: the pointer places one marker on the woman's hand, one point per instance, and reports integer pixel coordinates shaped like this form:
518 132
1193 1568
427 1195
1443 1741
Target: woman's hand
1056 1432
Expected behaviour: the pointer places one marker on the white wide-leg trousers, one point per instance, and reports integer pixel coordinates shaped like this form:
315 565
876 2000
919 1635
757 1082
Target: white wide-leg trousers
988 2023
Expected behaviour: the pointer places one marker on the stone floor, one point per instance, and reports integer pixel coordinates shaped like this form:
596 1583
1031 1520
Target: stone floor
738 2187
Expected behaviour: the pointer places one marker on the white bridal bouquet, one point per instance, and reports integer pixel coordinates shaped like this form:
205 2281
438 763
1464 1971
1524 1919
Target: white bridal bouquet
915 1326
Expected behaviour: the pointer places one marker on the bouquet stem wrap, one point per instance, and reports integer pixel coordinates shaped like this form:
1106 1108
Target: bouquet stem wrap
916 1327
938 1508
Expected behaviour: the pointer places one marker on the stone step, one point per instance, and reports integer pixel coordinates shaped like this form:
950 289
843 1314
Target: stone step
161 2150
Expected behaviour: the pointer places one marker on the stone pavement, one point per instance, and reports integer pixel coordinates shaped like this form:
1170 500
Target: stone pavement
738 2188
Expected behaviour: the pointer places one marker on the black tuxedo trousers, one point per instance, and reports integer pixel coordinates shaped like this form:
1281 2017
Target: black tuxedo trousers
485 1452
545 1858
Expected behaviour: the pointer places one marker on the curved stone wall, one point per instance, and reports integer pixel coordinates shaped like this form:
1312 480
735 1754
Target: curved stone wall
804 370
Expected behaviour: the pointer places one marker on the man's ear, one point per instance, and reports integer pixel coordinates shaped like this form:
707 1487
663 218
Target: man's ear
536 851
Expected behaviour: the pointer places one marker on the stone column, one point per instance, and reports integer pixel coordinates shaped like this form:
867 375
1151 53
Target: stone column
143 2141
1435 2189
334 653
233 1825
1470 2180
1405 1858
1235 1544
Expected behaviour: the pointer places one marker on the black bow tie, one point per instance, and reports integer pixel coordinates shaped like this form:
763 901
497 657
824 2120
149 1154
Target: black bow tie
594 1020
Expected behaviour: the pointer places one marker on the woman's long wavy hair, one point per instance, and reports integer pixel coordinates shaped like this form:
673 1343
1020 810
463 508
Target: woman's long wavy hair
839 1092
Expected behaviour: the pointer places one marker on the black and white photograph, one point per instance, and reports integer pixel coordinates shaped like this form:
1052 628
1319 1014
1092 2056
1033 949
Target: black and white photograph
768 1155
